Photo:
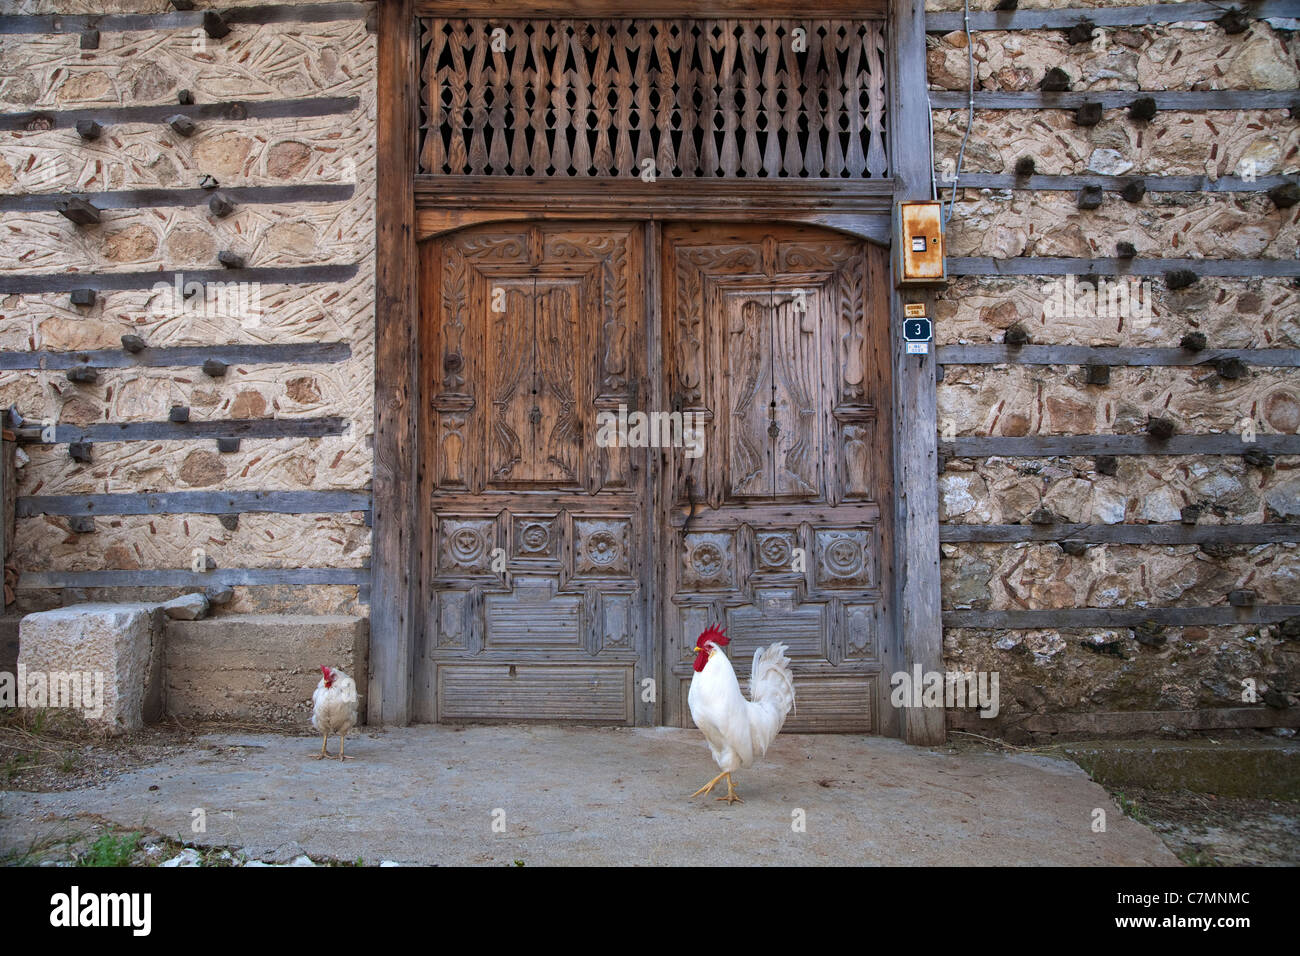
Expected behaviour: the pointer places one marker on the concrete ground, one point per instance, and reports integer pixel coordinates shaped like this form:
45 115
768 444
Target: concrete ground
560 796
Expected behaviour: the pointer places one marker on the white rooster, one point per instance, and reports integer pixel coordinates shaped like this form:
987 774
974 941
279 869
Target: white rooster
334 707
735 728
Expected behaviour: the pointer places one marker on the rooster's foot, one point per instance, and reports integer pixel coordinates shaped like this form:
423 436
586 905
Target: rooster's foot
730 796
709 786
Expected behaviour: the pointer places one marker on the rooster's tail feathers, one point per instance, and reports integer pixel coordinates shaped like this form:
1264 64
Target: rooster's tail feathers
770 678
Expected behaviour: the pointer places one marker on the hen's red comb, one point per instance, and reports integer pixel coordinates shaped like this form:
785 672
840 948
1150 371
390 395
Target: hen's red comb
714 634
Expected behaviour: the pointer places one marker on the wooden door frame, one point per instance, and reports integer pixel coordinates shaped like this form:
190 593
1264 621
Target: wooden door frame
410 208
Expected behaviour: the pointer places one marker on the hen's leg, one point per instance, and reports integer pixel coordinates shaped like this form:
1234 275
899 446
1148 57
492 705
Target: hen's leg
343 737
324 740
731 796
709 786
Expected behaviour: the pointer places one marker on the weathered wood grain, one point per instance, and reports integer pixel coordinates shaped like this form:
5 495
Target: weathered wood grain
156 198
1107 355
1141 534
622 9
861 209
306 353
918 600
235 110
1031 446
1119 99
1059 266
1155 184
397 394
109 281
260 14
172 431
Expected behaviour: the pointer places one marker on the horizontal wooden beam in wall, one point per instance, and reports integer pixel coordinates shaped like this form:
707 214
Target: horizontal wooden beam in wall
1057 446
180 578
241 110
152 198
1130 723
197 503
181 19
186 431
1119 99
1139 534
304 353
118 281
662 9
1074 617
1155 184
861 207
539 192
949 21
994 354
1059 266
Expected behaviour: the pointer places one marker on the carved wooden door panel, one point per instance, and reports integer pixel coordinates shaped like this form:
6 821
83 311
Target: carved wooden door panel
536 560
779 339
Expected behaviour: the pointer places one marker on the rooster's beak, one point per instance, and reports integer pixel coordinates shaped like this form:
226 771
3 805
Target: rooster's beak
695 650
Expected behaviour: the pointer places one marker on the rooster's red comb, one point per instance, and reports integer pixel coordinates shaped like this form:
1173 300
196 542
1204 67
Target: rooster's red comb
714 634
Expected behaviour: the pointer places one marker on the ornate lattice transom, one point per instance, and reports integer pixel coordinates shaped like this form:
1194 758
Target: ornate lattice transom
672 98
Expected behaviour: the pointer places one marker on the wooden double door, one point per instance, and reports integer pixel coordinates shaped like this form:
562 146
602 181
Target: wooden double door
565 576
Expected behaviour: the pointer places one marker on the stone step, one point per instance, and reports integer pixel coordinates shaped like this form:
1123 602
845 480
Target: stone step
1231 768
260 668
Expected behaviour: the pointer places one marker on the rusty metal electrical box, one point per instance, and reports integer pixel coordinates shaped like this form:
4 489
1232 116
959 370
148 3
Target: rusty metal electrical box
918 244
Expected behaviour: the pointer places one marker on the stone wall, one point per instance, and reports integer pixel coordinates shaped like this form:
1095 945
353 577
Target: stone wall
989 505
303 147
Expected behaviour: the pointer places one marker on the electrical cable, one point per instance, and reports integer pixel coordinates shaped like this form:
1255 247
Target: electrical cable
970 109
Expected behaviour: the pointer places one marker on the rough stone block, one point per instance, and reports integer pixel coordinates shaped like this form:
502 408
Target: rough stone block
121 642
260 667
187 607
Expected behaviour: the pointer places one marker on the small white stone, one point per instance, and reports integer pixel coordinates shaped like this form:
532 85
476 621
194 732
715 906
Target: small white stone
1159 506
1108 162
187 857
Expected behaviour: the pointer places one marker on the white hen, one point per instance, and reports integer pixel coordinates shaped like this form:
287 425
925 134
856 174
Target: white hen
737 729
334 707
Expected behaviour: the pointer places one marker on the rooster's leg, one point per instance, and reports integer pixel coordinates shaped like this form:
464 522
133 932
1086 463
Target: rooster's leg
342 737
709 786
731 796
324 740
